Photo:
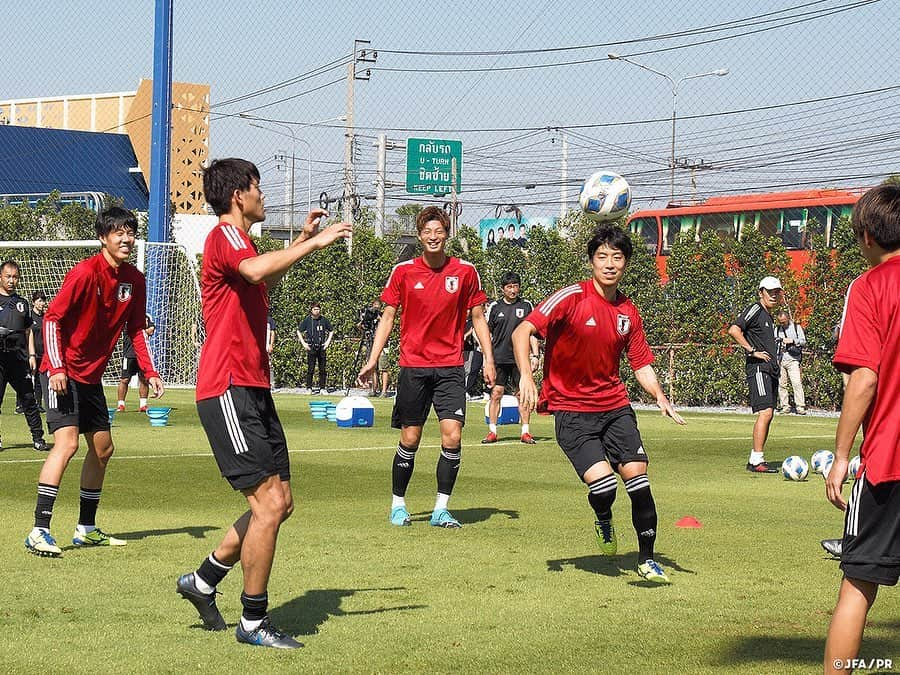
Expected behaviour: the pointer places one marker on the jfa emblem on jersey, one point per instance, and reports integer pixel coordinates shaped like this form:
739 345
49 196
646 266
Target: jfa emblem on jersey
123 293
520 313
451 284
623 324
21 307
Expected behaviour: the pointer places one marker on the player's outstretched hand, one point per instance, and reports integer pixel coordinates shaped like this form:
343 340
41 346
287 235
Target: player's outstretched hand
527 393
59 383
156 386
365 374
313 219
835 482
334 232
668 410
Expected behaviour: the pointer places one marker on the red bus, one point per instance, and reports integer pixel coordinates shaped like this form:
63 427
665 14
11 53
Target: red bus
792 216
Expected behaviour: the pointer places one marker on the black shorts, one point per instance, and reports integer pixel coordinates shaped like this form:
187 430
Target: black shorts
871 546
419 388
590 437
246 436
130 368
83 406
763 389
507 377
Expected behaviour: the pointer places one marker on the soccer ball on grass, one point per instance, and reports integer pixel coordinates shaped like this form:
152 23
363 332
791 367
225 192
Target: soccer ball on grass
821 461
794 468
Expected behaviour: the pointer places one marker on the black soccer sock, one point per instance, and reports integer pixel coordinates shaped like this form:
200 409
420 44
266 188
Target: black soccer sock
643 513
90 500
601 495
255 606
402 469
43 510
447 469
212 570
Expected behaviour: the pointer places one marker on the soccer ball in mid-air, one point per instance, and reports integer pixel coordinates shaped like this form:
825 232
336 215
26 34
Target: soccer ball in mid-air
821 461
853 467
605 196
794 468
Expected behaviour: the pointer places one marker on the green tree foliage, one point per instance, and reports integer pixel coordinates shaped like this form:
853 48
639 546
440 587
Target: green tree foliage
641 283
697 292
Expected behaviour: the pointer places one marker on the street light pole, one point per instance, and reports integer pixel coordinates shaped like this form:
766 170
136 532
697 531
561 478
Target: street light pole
721 72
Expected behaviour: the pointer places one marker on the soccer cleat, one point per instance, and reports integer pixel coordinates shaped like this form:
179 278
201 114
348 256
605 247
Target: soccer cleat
41 543
120 407
143 408
95 537
400 516
528 439
651 571
19 410
266 635
490 438
41 445
442 518
833 546
204 603
606 537
762 467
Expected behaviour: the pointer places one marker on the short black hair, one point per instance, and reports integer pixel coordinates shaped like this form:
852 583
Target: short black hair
114 218
38 295
614 237
222 177
9 263
510 278
315 304
782 312
878 213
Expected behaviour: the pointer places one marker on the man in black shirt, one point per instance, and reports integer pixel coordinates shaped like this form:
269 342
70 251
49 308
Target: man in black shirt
130 368
38 305
315 333
754 331
17 354
503 316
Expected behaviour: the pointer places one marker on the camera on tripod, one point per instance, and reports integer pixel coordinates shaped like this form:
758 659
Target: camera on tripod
368 320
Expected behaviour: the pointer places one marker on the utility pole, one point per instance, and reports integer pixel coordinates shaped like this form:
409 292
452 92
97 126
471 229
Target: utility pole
380 170
359 56
454 197
564 187
287 220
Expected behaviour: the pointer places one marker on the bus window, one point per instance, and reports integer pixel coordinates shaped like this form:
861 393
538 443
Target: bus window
720 223
648 228
816 223
769 221
675 225
792 227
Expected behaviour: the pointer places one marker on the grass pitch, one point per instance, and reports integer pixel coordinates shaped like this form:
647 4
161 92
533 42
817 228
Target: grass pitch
521 587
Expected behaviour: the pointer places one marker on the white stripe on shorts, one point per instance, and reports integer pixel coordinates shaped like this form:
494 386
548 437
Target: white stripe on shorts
853 507
760 383
232 424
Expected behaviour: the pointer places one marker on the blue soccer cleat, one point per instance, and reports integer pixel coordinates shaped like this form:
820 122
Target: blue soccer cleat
442 518
400 517
266 635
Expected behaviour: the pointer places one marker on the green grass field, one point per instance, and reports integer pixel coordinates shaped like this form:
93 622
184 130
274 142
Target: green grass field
521 587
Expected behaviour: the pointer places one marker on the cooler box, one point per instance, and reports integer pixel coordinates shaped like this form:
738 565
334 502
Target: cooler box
509 410
355 411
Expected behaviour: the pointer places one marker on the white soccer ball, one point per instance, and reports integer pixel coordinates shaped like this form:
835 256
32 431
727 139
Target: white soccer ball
853 467
794 468
605 196
821 461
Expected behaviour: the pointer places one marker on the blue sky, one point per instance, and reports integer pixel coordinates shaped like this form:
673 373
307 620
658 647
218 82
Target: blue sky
618 114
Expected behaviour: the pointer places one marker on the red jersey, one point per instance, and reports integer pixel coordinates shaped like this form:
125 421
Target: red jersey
84 320
870 338
235 314
434 304
585 337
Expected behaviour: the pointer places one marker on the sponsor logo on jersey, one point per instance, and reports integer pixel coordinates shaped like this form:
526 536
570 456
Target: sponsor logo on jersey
123 293
590 322
520 313
419 286
451 284
623 324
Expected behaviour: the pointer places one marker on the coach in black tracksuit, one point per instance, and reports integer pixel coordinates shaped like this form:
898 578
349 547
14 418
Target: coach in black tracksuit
17 356
315 334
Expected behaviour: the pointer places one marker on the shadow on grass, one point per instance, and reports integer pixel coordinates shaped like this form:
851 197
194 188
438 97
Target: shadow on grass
470 516
195 531
613 566
304 615
758 650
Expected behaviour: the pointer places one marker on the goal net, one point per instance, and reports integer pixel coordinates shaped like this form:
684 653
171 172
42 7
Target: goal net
173 297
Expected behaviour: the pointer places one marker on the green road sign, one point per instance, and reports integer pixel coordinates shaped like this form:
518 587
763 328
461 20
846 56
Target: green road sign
429 165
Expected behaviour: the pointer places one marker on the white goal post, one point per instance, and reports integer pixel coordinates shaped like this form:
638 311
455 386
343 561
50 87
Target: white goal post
173 297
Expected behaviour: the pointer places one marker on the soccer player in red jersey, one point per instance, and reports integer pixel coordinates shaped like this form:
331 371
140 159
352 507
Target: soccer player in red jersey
587 326
234 400
869 350
435 293
99 297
